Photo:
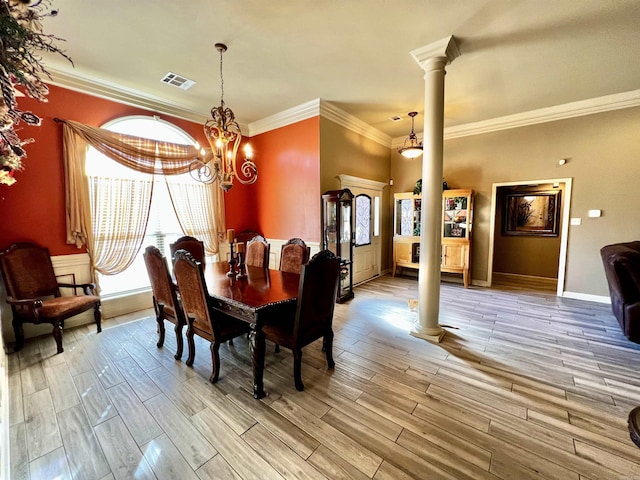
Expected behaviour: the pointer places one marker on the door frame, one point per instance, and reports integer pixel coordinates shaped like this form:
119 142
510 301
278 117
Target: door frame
349 181
564 227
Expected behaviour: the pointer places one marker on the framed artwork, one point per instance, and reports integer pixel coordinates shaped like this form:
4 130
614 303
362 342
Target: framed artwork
531 213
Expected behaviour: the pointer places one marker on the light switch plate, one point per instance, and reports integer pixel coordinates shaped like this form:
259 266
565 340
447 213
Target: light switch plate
576 221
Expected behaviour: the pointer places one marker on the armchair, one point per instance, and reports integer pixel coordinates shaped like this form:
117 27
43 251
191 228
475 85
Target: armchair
34 292
192 245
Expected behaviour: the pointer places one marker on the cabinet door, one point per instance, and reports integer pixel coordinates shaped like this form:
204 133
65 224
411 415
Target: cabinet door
454 256
455 216
402 253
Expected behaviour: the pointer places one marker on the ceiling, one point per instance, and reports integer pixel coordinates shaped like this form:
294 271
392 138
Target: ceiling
516 55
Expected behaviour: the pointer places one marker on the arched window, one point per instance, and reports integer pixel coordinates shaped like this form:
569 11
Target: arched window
105 179
363 220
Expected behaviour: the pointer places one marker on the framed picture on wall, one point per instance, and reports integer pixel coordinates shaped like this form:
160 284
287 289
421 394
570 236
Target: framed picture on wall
531 213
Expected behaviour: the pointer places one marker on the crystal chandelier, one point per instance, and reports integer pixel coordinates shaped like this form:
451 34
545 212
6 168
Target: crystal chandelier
411 148
223 133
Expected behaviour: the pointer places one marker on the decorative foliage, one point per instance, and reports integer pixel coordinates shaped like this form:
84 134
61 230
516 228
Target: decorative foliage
21 39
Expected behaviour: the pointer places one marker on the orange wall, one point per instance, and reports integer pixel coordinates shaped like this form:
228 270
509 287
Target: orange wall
287 201
33 208
283 203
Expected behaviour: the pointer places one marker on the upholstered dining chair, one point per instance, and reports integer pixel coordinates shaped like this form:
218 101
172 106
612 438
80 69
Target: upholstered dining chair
33 292
201 319
192 245
165 297
293 255
313 314
257 252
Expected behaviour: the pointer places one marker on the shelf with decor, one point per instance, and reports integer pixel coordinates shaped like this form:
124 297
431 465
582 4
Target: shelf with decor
457 217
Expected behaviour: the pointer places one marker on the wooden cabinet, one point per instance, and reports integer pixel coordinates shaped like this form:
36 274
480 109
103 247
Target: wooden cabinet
457 221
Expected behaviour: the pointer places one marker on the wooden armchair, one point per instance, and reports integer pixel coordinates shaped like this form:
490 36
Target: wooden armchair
313 315
257 252
192 245
293 255
165 298
34 292
201 319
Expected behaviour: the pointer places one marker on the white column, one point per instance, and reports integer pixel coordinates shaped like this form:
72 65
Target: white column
432 58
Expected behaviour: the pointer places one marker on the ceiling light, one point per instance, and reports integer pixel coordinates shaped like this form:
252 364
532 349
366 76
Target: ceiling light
411 147
223 133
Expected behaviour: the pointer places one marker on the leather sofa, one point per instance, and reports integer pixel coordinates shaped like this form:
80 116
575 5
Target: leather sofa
622 267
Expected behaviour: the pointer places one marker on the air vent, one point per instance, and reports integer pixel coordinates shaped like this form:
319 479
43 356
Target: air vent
178 81
395 118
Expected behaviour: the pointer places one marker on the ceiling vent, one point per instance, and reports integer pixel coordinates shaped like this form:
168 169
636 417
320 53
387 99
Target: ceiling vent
395 118
178 81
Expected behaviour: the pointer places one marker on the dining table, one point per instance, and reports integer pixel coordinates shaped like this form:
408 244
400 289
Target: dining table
257 296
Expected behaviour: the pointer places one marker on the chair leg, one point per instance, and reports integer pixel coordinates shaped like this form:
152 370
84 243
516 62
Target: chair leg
160 320
297 368
19 334
327 343
179 342
97 315
57 335
231 342
215 360
191 345
277 349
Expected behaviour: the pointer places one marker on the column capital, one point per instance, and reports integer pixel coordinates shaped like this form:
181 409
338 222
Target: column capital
447 48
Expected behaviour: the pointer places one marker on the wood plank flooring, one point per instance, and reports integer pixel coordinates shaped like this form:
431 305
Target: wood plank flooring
525 385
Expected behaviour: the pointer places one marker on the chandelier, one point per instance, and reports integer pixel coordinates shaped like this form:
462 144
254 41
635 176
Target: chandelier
411 148
223 133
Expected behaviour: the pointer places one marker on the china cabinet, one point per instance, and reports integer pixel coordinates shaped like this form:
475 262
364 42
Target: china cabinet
338 233
457 217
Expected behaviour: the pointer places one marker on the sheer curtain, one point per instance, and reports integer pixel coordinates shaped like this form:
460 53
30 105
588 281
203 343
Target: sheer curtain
113 246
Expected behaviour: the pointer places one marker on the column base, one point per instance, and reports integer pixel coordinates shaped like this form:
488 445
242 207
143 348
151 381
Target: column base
432 335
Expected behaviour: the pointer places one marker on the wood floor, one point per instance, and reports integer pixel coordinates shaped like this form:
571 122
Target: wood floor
524 385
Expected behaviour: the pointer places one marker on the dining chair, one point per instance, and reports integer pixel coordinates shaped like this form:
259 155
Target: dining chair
192 245
33 292
293 255
201 319
165 297
313 314
257 252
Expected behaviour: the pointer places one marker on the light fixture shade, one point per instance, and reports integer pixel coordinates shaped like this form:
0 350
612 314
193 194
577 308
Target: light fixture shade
411 152
411 148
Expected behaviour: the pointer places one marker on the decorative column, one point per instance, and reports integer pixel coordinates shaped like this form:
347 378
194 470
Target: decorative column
432 58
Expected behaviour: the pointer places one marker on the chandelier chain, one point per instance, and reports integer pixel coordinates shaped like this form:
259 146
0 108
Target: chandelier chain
221 82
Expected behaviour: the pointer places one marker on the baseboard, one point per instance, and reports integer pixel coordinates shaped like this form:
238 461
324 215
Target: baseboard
5 428
587 297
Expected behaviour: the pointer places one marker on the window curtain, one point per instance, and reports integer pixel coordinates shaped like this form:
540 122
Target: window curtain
143 155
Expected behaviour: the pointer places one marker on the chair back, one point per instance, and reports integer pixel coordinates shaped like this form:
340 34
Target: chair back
162 287
316 296
293 255
257 252
192 287
192 245
28 272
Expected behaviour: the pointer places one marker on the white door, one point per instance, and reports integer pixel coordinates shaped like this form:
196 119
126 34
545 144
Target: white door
366 250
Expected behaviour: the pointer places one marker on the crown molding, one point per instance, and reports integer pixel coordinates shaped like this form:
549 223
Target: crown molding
128 96
318 107
324 109
559 112
286 117
348 121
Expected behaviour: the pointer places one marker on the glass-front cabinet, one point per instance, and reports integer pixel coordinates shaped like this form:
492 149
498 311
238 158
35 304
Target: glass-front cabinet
338 235
457 217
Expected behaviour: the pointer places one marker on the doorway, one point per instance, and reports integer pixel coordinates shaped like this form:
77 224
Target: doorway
533 256
367 251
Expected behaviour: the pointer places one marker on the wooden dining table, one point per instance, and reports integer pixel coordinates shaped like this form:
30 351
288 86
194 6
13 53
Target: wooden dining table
262 296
